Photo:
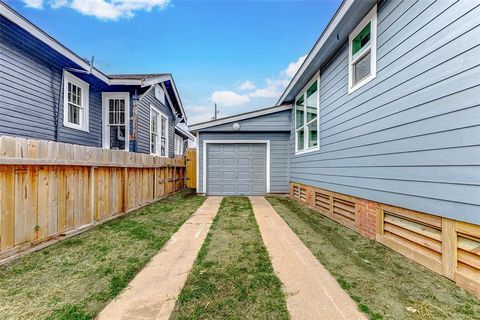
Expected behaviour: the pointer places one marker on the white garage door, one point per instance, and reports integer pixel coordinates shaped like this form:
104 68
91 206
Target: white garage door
236 169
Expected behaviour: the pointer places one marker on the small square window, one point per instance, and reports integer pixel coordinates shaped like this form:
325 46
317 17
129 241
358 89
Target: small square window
363 52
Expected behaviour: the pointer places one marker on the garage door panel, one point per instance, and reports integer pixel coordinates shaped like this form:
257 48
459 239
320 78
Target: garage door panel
238 169
243 162
243 148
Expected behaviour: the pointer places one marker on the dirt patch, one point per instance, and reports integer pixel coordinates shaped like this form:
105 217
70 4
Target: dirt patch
232 277
384 284
76 278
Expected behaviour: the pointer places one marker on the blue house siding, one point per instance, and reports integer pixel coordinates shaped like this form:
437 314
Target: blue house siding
411 136
143 139
278 155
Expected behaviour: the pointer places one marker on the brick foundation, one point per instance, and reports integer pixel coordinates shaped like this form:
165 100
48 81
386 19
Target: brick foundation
367 215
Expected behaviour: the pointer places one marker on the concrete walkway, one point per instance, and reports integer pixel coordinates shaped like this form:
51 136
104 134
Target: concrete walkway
153 292
312 293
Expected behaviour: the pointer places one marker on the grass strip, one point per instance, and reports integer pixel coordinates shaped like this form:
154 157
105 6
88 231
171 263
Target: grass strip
76 278
385 284
232 277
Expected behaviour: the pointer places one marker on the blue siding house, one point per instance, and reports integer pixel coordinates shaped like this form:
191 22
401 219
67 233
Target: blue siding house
378 130
48 92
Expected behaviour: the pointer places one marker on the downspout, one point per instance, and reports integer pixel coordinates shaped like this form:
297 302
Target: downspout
59 100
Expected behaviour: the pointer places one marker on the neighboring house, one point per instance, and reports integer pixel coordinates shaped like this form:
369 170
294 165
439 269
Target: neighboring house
48 92
183 139
384 124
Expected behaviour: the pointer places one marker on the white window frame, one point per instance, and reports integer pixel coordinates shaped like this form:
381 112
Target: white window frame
303 92
159 128
105 114
371 47
84 118
159 94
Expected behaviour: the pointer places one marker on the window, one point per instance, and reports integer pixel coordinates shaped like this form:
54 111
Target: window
179 145
159 94
116 116
306 118
158 133
363 52
75 102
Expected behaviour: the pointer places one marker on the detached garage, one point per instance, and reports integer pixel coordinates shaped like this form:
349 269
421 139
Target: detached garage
246 154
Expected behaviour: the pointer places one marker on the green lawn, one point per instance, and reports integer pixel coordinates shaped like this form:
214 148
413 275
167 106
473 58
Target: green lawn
232 277
384 284
76 278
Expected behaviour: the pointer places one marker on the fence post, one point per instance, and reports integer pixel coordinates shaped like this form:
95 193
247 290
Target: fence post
449 248
125 190
92 194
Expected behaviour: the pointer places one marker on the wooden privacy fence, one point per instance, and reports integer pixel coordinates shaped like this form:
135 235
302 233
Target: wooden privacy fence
191 168
49 189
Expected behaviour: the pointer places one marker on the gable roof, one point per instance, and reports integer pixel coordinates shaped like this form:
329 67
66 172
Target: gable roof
142 80
348 15
238 117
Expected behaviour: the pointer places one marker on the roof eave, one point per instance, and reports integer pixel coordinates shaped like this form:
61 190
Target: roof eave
243 116
348 13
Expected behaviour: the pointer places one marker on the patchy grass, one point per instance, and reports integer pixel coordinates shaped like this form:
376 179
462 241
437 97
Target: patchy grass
232 277
384 284
76 278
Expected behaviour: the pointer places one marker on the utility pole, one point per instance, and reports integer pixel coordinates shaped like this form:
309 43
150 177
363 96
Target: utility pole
216 112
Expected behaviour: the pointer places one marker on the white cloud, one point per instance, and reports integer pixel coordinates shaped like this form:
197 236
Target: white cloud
104 9
246 85
229 98
293 67
37 4
272 90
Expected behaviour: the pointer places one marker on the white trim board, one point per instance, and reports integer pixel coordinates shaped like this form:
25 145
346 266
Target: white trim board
105 114
204 158
238 117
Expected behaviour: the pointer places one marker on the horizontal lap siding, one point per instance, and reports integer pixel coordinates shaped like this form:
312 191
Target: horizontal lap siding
279 121
410 137
278 155
147 99
30 78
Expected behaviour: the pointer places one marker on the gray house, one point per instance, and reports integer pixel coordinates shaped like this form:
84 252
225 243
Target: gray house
379 130
48 92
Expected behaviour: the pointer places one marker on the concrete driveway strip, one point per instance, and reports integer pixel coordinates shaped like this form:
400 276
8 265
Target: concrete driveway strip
154 290
312 293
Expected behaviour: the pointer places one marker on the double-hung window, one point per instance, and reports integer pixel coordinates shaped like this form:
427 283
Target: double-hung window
75 102
158 133
179 145
307 119
363 52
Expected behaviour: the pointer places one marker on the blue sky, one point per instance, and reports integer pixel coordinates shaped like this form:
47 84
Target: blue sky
238 53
